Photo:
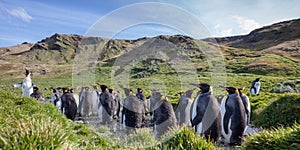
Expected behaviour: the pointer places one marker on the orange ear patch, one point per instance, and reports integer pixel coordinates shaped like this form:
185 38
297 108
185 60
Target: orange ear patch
162 98
236 92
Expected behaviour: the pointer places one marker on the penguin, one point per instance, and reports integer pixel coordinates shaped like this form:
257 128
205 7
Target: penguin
37 94
247 107
76 96
68 104
55 97
233 117
255 87
163 115
81 97
139 94
106 105
117 103
26 84
95 99
183 108
132 112
206 115
86 103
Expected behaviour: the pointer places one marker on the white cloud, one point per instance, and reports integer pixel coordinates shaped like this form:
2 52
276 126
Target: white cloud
21 14
222 31
245 23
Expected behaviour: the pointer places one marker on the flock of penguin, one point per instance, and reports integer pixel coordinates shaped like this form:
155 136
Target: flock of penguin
205 114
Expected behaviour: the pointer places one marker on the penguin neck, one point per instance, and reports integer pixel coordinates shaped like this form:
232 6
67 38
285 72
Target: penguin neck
27 80
207 93
232 95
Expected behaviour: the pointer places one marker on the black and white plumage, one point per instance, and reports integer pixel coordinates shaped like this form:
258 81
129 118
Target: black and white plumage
183 108
68 104
106 105
117 103
55 98
233 117
26 84
95 99
132 111
255 87
163 115
37 94
85 102
139 94
206 116
247 106
76 96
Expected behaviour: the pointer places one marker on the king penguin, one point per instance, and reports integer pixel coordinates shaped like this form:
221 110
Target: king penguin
163 115
106 105
247 107
26 84
206 116
95 99
85 102
132 112
255 87
139 94
76 96
117 103
233 117
68 104
183 108
55 97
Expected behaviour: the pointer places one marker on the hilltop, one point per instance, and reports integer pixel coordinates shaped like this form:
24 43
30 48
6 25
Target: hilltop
273 49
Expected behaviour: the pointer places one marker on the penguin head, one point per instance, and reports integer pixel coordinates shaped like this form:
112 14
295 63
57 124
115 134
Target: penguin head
182 94
204 87
103 88
65 90
35 88
189 93
110 91
157 96
27 72
95 87
257 79
140 90
241 90
231 90
127 91
72 90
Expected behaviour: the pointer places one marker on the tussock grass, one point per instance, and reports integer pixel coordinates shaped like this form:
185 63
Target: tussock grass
33 133
26 123
183 138
276 138
285 111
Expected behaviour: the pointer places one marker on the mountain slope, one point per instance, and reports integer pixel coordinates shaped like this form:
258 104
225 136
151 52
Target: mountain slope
264 37
273 49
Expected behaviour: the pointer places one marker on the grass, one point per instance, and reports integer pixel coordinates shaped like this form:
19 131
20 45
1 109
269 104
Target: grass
39 125
276 138
282 112
184 139
28 111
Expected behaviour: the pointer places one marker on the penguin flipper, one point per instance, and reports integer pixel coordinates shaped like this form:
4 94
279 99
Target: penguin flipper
226 118
17 85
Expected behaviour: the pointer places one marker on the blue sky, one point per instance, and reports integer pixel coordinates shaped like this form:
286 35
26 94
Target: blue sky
34 20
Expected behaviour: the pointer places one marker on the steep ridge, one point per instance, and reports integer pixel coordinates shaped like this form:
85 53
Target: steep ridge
273 49
264 37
